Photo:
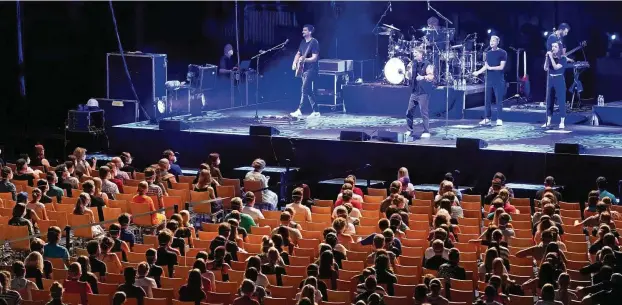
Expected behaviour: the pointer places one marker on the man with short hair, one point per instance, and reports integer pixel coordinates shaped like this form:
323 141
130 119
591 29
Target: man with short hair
97 266
126 234
172 159
6 186
421 88
246 221
451 270
249 207
549 183
120 174
285 220
223 240
557 37
601 183
129 287
227 65
307 56
495 80
152 188
54 191
108 186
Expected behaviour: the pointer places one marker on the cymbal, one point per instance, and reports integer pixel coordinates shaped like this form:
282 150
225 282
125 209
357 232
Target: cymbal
385 33
456 46
390 27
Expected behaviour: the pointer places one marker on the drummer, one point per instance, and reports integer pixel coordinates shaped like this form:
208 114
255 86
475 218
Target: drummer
435 34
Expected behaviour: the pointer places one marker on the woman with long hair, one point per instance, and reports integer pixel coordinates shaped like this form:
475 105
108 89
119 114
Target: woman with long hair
97 189
339 224
308 292
328 269
546 275
384 273
34 268
40 159
247 292
192 291
80 161
142 198
273 267
285 241
81 209
207 277
111 259
86 275
404 178
204 184
214 167
219 263
255 262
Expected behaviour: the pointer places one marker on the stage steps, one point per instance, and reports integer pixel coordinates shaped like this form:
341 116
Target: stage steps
528 113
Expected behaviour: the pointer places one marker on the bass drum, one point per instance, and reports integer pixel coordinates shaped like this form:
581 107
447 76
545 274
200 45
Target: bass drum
397 70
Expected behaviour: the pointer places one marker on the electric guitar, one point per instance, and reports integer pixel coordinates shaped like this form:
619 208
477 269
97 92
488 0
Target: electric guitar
299 65
581 45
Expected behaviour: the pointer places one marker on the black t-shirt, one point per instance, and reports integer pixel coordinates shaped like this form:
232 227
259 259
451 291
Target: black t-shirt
180 244
45 199
167 258
155 272
434 262
274 269
97 266
314 48
25 177
91 279
187 294
494 58
226 62
420 86
552 39
562 61
34 273
230 246
133 291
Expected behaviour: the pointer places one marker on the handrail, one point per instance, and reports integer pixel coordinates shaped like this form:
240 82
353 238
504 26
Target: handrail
68 229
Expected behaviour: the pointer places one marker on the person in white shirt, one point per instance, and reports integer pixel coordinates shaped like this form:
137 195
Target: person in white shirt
342 212
297 205
146 283
249 207
348 186
353 213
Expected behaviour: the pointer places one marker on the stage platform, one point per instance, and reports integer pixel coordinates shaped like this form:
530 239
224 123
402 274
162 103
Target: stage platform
610 114
529 113
524 152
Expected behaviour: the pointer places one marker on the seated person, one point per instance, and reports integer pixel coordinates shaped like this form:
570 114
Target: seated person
436 255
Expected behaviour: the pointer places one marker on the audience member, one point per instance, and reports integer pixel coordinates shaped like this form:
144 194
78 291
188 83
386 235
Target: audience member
268 197
129 287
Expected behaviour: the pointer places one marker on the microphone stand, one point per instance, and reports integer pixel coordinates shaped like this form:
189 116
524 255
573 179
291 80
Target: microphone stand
258 56
375 32
447 23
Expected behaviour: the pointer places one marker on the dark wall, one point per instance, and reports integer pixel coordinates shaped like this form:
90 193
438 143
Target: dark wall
65 42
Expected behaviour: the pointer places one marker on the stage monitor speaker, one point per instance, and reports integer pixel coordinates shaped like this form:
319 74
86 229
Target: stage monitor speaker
568 148
391 136
347 135
173 125
470 144
259 130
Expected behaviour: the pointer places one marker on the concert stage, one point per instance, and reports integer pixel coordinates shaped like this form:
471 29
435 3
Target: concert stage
524 152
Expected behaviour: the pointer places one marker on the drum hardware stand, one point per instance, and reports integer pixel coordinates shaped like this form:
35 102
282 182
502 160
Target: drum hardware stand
521 99
262 52
576 88
375 32
447 23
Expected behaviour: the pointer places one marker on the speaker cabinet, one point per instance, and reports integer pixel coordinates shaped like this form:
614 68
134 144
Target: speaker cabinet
391 136
470 144
359 136
173 125
259 130
568 148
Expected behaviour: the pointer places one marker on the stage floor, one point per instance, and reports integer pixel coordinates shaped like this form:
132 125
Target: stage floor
521 137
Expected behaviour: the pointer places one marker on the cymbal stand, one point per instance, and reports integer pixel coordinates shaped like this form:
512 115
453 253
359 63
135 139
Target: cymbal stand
447 23
375 32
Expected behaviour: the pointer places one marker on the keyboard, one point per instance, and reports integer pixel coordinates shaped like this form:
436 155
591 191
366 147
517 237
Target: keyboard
579 65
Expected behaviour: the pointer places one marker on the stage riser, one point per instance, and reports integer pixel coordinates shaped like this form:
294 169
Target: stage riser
393 100
524 116
610 114
323 159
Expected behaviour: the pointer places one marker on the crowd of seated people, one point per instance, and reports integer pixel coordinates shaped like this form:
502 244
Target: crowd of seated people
360 249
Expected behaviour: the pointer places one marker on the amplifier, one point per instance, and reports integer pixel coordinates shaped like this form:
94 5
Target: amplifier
148 72
335 65
119 111
202 78
85 120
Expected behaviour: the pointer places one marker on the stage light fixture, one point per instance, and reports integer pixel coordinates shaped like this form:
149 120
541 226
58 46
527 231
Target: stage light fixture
613 37
161 106
545 34
489 31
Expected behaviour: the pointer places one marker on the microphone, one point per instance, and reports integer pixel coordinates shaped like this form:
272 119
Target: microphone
428 5
390 7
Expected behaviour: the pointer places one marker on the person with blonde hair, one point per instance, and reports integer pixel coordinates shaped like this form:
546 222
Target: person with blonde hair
144 282
404 178
35 268
80 162
268 197
36 205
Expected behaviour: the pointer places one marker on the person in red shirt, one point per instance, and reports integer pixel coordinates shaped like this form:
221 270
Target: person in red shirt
73 285
351 179
346 197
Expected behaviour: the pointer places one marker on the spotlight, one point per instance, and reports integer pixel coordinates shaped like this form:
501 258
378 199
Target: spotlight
546 33
613 37
161 105
489 31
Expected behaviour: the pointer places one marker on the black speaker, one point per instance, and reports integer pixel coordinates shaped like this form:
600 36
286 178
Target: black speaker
470 144
347 135
259 130
173 125
568 148
391 136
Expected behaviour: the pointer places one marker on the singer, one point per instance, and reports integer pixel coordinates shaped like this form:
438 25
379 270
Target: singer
554 64
306 62
494 65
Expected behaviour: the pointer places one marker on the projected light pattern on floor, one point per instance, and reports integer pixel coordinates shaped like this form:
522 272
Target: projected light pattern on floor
501 133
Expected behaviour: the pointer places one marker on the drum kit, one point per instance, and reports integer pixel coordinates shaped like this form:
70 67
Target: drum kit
463 59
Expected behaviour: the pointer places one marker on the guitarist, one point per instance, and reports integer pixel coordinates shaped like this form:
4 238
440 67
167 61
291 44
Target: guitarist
558 37
306 63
